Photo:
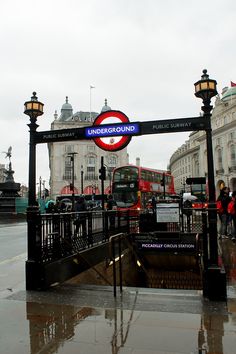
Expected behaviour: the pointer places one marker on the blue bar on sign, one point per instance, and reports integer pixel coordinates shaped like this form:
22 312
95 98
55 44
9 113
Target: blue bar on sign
112 130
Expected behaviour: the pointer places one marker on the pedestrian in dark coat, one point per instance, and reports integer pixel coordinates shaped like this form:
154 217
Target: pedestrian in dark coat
222 204
81 208
111 207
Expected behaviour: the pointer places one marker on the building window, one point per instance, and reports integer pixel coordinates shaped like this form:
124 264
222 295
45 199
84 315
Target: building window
68 168
90 173
219 159
233 155
91 148
231 136
69 149
112 161
218 141
91 161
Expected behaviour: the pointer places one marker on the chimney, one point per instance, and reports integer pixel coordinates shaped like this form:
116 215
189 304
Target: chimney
137 161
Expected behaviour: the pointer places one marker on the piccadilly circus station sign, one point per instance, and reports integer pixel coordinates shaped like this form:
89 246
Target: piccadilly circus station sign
112 130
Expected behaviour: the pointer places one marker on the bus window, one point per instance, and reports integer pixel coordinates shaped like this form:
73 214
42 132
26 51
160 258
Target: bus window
143 175
125 199
157 177
127 173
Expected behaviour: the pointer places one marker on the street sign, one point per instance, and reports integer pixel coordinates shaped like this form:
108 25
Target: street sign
117 136
112 130
196 180
173 125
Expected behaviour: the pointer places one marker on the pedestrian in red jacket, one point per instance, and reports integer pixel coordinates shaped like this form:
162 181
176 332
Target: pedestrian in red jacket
232 214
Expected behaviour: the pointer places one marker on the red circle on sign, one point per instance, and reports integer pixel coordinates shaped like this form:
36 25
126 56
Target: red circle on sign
123 142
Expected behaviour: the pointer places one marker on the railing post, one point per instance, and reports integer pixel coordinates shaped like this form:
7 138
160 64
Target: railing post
34 234
105 224
205 240
120 263
90 228
128 221
114 266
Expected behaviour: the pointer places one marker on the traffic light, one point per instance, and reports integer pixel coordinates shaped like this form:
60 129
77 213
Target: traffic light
162 182
102 173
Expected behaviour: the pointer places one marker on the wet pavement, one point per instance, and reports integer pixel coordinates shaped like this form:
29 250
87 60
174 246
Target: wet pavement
87 319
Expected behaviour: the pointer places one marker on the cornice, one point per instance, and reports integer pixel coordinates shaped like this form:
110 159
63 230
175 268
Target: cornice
184 154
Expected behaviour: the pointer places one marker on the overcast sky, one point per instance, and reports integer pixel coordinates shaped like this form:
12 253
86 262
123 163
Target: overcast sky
142 55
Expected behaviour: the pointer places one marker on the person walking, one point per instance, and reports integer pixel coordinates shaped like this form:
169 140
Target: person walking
81 208
232 215
111 206
154 204
222 208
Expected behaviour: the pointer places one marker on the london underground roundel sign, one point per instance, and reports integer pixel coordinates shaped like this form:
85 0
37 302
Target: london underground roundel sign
115 136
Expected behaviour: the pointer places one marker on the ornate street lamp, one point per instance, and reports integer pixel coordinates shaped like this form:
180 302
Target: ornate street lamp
206 89
33 109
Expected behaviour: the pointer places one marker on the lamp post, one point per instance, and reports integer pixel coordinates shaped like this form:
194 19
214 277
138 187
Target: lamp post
90 102
82 179
44 189
72 158
206 89
214 278
33 109
109 173
40 187
110 169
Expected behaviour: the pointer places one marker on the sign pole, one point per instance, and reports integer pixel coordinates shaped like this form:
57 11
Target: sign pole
102 183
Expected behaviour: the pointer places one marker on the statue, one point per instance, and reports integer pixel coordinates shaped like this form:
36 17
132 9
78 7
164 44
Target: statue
8 155
9 188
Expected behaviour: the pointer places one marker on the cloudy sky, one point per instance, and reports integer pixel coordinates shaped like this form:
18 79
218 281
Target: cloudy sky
142 55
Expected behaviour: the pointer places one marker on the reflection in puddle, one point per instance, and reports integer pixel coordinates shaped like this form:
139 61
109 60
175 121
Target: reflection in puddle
54 328
50 326
60 328
229 259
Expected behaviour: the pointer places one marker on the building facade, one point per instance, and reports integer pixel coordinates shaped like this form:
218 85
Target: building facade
190 159
79 161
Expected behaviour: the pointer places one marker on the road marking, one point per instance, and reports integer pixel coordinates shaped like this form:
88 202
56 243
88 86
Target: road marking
16 258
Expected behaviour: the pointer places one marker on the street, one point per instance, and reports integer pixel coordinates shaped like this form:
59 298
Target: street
13 255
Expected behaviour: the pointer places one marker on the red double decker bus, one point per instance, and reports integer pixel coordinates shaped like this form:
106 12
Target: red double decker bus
133 186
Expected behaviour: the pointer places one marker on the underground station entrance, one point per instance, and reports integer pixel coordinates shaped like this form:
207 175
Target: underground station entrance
169 247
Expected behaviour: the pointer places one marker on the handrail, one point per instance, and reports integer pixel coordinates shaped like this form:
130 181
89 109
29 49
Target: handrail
112 240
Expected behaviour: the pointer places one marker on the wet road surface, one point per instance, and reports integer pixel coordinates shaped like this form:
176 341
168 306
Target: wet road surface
88 319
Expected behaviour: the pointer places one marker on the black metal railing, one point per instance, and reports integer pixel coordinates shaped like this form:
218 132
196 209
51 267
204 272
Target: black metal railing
62 234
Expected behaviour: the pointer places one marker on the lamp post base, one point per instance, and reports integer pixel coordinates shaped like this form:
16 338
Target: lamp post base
214 283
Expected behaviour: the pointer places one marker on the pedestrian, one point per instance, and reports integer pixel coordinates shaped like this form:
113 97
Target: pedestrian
80 221
57 206
232 215
222 208
154 204
111 207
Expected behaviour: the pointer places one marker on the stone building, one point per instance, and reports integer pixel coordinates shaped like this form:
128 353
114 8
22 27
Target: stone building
82 156
190 159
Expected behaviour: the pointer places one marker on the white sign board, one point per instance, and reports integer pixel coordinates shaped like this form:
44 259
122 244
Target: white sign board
167 212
